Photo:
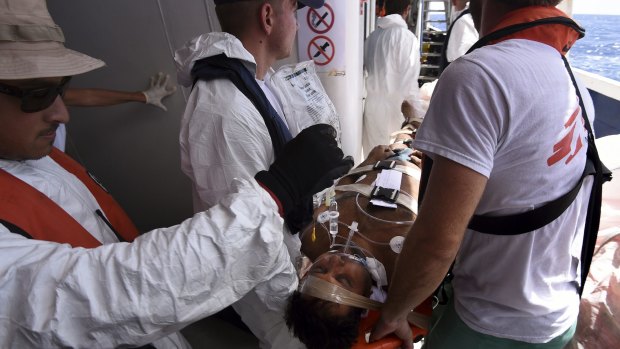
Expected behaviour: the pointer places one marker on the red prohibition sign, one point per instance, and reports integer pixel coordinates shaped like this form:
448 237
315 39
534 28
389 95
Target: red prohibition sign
321 49
322 20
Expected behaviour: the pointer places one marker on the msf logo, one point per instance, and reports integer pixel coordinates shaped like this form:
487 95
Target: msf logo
570 145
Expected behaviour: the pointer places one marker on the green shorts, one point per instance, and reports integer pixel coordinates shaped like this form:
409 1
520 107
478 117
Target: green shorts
448 331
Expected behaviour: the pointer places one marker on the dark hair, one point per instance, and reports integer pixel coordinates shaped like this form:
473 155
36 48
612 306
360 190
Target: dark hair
396 6
311 322
233 16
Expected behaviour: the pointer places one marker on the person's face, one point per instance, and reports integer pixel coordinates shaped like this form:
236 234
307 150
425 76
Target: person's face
285 27
342 271
29 135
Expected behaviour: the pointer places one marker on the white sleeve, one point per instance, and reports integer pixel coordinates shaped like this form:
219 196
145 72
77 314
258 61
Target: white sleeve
462 37
222 137
130 294
410 78
465 124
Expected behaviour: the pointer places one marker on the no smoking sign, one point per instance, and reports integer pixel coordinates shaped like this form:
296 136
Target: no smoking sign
320 20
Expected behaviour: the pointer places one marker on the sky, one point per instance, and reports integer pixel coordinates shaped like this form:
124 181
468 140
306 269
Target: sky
608 7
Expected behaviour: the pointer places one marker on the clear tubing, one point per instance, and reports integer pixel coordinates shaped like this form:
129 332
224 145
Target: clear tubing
352 231
333 220
354 246
359 207
332 227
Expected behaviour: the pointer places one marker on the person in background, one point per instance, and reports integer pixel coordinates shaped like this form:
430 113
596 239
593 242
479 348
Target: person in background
461 34
380 8
234 125
95 97
506 134
392 62
74 271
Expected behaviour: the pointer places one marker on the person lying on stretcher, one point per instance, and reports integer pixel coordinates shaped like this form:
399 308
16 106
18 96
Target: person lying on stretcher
350 270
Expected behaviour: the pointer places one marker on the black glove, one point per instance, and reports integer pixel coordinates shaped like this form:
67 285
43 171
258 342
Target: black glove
307 164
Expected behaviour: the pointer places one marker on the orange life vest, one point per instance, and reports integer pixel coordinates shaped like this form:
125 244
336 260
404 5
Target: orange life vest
32 212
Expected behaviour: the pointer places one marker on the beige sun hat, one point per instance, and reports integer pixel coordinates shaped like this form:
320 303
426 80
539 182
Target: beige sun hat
32 45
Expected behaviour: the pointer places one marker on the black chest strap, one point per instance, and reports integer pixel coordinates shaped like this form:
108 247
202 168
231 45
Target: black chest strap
443 59
223 67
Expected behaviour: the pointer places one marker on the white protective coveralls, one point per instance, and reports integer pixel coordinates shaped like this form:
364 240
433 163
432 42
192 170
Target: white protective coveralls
131 294
463 35
223 136
392 64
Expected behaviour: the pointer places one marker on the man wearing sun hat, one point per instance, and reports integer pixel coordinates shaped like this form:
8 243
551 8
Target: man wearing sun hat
73 271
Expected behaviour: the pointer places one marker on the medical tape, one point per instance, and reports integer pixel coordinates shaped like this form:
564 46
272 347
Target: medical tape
325 290
411 171
403 199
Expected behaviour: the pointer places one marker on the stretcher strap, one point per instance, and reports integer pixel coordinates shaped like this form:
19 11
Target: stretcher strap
325 290
412 172
403 199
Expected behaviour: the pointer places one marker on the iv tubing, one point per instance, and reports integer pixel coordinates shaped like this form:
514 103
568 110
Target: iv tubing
377 218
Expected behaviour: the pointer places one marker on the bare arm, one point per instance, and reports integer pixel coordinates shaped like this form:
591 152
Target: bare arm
451 197
94 97
407 109
159 88
411 114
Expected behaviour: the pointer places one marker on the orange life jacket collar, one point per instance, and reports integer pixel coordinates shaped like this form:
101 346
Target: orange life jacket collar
559 36
33 213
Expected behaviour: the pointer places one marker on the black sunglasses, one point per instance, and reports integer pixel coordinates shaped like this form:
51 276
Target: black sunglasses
36 99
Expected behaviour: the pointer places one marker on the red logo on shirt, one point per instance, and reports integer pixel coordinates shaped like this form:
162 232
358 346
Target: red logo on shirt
564 148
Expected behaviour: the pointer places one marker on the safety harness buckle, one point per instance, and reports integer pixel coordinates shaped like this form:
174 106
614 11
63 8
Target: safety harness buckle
384 165
384 194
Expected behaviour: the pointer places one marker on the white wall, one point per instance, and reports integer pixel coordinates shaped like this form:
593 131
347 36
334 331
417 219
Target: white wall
133 148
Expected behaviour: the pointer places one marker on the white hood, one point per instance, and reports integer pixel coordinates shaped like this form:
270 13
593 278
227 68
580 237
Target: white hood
208 45
391 21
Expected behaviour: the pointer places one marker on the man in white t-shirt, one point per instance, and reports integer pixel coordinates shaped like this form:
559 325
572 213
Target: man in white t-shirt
506 134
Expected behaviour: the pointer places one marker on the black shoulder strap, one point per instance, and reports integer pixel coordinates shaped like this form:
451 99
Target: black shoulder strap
528 221
537 218
222 67
15 229
522 26
602 175
443 59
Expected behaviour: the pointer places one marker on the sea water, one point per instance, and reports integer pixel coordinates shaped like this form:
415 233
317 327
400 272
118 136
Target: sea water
599 51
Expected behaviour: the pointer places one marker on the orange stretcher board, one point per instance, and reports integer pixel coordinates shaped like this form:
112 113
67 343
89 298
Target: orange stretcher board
391 342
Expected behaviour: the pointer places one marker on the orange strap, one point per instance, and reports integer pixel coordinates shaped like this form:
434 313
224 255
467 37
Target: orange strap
559 36
113 211
42 219
389 342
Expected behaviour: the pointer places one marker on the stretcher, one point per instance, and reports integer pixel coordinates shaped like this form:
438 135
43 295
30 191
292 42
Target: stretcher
420 316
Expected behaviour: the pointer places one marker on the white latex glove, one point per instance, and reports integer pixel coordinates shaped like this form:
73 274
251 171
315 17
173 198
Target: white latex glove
159 89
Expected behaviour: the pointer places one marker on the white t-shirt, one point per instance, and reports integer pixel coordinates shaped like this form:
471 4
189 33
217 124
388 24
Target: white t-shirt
510 112
272 98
